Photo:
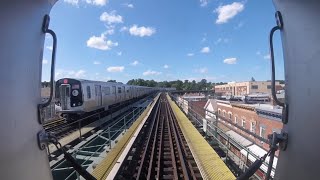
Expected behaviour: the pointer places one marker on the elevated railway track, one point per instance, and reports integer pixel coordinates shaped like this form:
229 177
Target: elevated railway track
160 151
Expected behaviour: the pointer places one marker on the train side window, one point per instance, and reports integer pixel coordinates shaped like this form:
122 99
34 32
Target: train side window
119 89
113 90
107 91
88 92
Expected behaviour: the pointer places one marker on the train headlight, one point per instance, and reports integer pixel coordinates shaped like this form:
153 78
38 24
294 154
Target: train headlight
75 92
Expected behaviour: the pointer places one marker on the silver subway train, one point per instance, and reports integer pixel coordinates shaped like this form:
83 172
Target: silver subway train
78 96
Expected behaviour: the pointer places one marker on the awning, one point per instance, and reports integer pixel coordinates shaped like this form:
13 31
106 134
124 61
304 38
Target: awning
238 138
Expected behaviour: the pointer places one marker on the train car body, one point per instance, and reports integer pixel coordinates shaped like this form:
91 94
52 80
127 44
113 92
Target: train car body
78 96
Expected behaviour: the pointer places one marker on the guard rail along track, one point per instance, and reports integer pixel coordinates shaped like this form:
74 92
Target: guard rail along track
160 150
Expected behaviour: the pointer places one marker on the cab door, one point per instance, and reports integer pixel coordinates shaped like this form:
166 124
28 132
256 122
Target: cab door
65 96
98 95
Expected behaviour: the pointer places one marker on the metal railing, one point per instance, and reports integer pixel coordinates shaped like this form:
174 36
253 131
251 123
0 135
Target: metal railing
111 132
214 130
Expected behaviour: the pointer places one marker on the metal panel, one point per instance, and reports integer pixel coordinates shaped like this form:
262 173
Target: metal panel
22 43
301 49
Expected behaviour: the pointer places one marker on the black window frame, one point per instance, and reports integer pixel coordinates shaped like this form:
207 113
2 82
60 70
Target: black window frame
254 87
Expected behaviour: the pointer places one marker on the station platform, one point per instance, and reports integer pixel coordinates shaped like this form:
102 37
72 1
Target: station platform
109 166
208 161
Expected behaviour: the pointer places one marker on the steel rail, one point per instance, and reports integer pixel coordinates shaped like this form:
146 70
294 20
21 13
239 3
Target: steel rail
173 157
182 144
149 137
160 149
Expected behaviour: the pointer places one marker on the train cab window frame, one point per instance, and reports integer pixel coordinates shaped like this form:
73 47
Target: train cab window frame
88 92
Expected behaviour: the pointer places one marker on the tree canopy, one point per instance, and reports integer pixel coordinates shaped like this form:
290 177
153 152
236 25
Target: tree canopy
178 84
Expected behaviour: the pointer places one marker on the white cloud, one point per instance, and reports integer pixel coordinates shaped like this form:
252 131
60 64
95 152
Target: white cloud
230 61
227 12
166 66
110 30
239 25
204 2
128 5
141 31
115 69
208 78
72 2
111 18
44 61
202 70
134 63
267 56
150 72
119 53
49 47
222 40
61 73
96 62
205 50
97 2
101 42
80 73
124 28
190 54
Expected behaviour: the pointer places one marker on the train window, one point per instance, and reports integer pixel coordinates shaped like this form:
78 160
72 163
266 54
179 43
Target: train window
68 91
88 92
119 89
107 91
113 89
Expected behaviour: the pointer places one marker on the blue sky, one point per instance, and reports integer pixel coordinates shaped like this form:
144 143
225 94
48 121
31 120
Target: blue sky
163 40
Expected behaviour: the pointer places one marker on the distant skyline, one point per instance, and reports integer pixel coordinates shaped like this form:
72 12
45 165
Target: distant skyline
217 40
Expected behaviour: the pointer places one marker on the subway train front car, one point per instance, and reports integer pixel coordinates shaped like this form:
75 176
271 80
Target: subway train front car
69 97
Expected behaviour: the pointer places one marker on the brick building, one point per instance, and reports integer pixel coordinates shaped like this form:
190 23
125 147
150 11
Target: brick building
245 88
240 128
253 121
244 126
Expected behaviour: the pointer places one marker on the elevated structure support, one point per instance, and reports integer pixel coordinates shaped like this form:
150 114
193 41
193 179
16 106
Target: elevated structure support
22 42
